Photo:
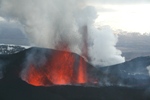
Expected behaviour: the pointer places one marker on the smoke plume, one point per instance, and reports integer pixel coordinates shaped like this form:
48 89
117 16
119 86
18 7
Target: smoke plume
59 23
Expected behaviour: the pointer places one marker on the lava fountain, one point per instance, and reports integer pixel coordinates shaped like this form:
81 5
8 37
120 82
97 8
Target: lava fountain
60 68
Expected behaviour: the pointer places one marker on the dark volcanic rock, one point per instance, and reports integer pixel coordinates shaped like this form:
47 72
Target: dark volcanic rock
13 88
17 89
15 65
132 72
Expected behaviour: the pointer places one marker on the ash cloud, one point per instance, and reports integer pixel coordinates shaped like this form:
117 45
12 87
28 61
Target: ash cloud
53 23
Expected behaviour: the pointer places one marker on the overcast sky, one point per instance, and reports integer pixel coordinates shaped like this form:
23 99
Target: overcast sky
119 1
127 15
11 33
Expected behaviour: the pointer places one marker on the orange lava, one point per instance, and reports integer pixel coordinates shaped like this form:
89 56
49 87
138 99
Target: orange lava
34 76
82 72
61 68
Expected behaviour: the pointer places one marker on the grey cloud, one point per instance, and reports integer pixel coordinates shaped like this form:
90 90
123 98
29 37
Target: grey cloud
134 45
11 33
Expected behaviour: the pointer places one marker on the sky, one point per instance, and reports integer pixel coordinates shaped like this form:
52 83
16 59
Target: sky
126 15
133 45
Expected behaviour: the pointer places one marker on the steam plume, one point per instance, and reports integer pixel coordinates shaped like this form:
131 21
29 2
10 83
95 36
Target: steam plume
50 23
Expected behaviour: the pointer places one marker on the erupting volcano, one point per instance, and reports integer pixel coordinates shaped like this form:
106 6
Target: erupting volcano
60 68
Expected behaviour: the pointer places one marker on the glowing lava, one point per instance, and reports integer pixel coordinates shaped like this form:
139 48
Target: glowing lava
61 68
35 76
82 72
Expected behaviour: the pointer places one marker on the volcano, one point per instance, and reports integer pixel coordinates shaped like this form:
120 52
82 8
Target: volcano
46 67
44 74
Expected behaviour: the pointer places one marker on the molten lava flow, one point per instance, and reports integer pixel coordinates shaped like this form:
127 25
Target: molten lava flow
34 76
60 68
82 77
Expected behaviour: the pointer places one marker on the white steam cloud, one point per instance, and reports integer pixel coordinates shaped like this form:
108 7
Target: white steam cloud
148 68
51 23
